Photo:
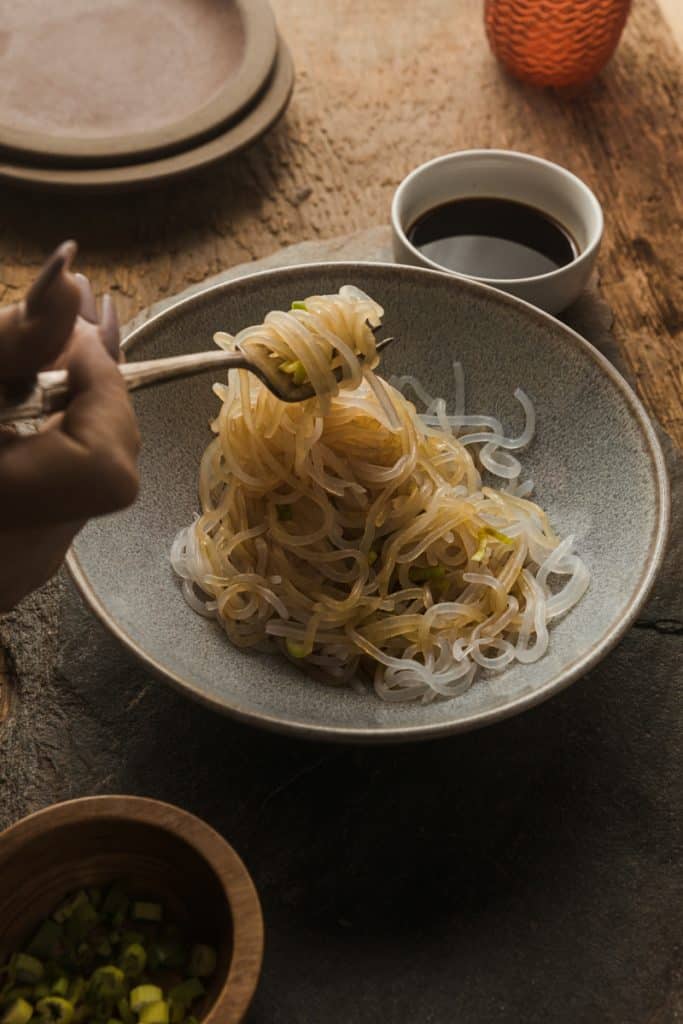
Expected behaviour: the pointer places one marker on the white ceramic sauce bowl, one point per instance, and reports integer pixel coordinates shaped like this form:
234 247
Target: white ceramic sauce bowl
505 174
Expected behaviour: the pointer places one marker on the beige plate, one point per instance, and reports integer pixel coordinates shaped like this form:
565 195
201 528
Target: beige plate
258 120
107 81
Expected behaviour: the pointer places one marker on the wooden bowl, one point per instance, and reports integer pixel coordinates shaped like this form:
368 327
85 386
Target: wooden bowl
152 847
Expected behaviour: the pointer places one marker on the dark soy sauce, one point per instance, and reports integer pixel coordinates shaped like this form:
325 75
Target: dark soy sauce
495 238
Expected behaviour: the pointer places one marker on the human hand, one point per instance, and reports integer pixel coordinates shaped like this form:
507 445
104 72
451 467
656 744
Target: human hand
83 461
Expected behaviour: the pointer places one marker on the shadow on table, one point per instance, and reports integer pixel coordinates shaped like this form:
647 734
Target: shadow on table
162 216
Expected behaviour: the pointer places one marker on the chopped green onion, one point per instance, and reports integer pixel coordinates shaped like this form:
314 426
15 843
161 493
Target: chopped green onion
82 918
90 960
84 955
188 991
171 953
133 960
484 536
144 995
115 901
296 369
284 512
47 940
296 650
62 912
107 983
18 1012
478 555
420 574
77 990
155 1013
202 961
125 1013
372 556
28 968
300 305
300 375
177 1010
182 996
70 907
147 911
55 1010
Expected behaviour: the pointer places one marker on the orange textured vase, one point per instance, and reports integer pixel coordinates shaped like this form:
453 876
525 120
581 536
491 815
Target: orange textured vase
555 42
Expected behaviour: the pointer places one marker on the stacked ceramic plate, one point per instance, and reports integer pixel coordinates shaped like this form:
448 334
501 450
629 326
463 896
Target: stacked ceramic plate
108 94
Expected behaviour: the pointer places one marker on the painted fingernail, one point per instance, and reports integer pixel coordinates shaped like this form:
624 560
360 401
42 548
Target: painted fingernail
60 259
88 308
109 327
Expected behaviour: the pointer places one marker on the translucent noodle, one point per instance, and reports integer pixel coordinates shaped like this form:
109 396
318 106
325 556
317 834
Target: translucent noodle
358 535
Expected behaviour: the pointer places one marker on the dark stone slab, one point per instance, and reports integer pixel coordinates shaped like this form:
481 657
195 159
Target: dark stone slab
531 872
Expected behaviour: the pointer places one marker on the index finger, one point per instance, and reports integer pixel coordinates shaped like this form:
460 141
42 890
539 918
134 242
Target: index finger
34 332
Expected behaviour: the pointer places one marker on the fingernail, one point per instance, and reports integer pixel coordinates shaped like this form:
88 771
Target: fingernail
109 327
88 308
61 258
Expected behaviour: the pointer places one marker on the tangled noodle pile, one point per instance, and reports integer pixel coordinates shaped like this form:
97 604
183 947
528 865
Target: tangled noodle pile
357 534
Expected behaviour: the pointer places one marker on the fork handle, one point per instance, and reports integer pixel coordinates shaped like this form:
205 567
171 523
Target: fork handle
51 391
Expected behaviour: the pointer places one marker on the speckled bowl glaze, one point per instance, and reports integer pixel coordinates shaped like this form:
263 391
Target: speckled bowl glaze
596 462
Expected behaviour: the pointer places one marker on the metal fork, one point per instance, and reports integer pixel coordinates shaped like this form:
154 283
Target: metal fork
51 390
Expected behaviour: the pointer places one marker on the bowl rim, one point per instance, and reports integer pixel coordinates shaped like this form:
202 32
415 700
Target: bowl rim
244 970
408 733
583 259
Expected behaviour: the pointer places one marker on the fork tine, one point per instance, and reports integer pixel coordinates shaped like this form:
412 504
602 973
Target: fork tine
383 343
375 330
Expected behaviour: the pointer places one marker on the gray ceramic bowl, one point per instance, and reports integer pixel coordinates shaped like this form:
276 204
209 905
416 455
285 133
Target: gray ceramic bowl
597 465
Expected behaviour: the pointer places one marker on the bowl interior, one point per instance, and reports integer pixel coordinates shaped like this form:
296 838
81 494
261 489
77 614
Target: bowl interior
595 463
147 860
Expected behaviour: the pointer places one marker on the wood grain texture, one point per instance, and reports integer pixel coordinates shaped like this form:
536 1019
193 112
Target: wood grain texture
379 90
6 685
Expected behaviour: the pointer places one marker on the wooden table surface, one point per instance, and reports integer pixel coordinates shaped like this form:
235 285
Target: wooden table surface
378 92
